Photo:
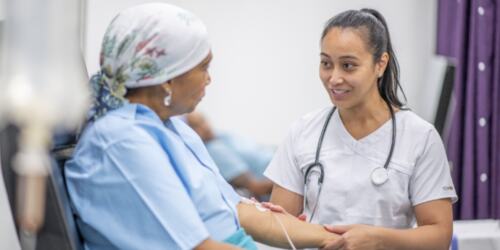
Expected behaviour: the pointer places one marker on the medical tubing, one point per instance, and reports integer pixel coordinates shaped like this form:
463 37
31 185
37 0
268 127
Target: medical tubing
262 209
284 231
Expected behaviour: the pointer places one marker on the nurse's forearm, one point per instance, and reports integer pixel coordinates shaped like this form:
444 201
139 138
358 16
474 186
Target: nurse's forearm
264 227
424 237
435 220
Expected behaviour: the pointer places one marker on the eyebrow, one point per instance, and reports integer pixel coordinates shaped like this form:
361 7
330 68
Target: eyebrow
342 57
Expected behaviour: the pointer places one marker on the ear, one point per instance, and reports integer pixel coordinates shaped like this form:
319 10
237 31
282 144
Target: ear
381 64
167 86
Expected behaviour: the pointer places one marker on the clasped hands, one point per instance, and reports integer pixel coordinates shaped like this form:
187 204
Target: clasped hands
352 237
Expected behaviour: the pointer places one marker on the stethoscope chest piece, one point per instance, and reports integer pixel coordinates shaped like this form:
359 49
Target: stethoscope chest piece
379 176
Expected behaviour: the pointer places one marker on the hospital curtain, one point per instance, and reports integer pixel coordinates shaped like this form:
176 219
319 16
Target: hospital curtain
469 34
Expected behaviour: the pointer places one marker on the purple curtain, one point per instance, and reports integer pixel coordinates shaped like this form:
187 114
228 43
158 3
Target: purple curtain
469 33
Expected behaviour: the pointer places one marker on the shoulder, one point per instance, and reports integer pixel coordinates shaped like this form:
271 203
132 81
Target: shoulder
310 122
115 127
415 135
415 126
315 115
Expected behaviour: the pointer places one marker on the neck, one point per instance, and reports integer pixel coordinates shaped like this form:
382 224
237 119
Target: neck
366 117
366 111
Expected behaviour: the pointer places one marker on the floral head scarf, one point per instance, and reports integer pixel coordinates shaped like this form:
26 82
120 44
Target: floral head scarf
143 46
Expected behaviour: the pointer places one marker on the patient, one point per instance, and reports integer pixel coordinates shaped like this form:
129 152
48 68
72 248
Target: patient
142 179
240 161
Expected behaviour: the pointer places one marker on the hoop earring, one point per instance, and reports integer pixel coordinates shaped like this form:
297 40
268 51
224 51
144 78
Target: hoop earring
167 101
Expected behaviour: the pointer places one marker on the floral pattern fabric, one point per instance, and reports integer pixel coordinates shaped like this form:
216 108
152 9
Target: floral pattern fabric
143 46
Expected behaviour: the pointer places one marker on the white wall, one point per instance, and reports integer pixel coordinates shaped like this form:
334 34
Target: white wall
265 69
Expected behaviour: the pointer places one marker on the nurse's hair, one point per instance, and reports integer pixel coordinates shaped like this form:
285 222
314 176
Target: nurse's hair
376 35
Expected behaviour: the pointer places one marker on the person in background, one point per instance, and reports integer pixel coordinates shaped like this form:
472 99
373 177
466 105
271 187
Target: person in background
240 161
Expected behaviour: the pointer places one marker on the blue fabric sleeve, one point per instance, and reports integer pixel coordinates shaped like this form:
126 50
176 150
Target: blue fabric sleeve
139 179
241 239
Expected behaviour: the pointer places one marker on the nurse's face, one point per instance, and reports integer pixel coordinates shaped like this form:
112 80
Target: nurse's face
189 88
347 69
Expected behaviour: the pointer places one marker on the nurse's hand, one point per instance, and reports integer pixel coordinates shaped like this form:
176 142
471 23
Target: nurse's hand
336 243
279 209
357 237
271 206
302 217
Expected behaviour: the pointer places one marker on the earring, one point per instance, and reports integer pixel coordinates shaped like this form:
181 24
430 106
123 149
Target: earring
168 99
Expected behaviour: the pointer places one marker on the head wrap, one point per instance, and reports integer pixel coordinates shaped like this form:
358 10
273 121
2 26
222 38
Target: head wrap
143 46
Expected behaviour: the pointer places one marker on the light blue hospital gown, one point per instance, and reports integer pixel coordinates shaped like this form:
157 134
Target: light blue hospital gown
138 183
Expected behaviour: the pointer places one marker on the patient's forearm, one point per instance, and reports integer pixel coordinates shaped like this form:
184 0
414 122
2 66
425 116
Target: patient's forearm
264 227
209 244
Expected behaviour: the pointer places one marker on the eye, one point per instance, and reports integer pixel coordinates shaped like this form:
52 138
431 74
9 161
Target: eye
348 66
325 64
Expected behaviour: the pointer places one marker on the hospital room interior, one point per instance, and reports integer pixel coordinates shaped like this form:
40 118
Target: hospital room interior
265 92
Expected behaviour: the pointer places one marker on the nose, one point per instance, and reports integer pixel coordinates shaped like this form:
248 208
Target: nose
209 79
335 77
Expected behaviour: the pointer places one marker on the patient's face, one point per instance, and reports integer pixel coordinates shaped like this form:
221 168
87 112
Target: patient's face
189 88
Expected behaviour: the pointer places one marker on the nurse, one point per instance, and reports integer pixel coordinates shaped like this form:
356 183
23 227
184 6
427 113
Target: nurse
369 167
139 177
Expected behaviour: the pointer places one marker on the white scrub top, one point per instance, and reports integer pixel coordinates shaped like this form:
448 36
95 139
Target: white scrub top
418 172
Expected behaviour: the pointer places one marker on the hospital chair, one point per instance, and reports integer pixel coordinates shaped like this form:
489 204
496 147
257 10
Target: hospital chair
59 230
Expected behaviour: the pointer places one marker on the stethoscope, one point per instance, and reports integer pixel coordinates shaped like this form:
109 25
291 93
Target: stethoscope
378 176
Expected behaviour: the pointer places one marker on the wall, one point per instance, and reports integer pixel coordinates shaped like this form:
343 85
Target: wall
266 55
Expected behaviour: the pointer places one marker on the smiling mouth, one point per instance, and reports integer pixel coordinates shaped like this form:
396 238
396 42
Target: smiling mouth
340 91
340 94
